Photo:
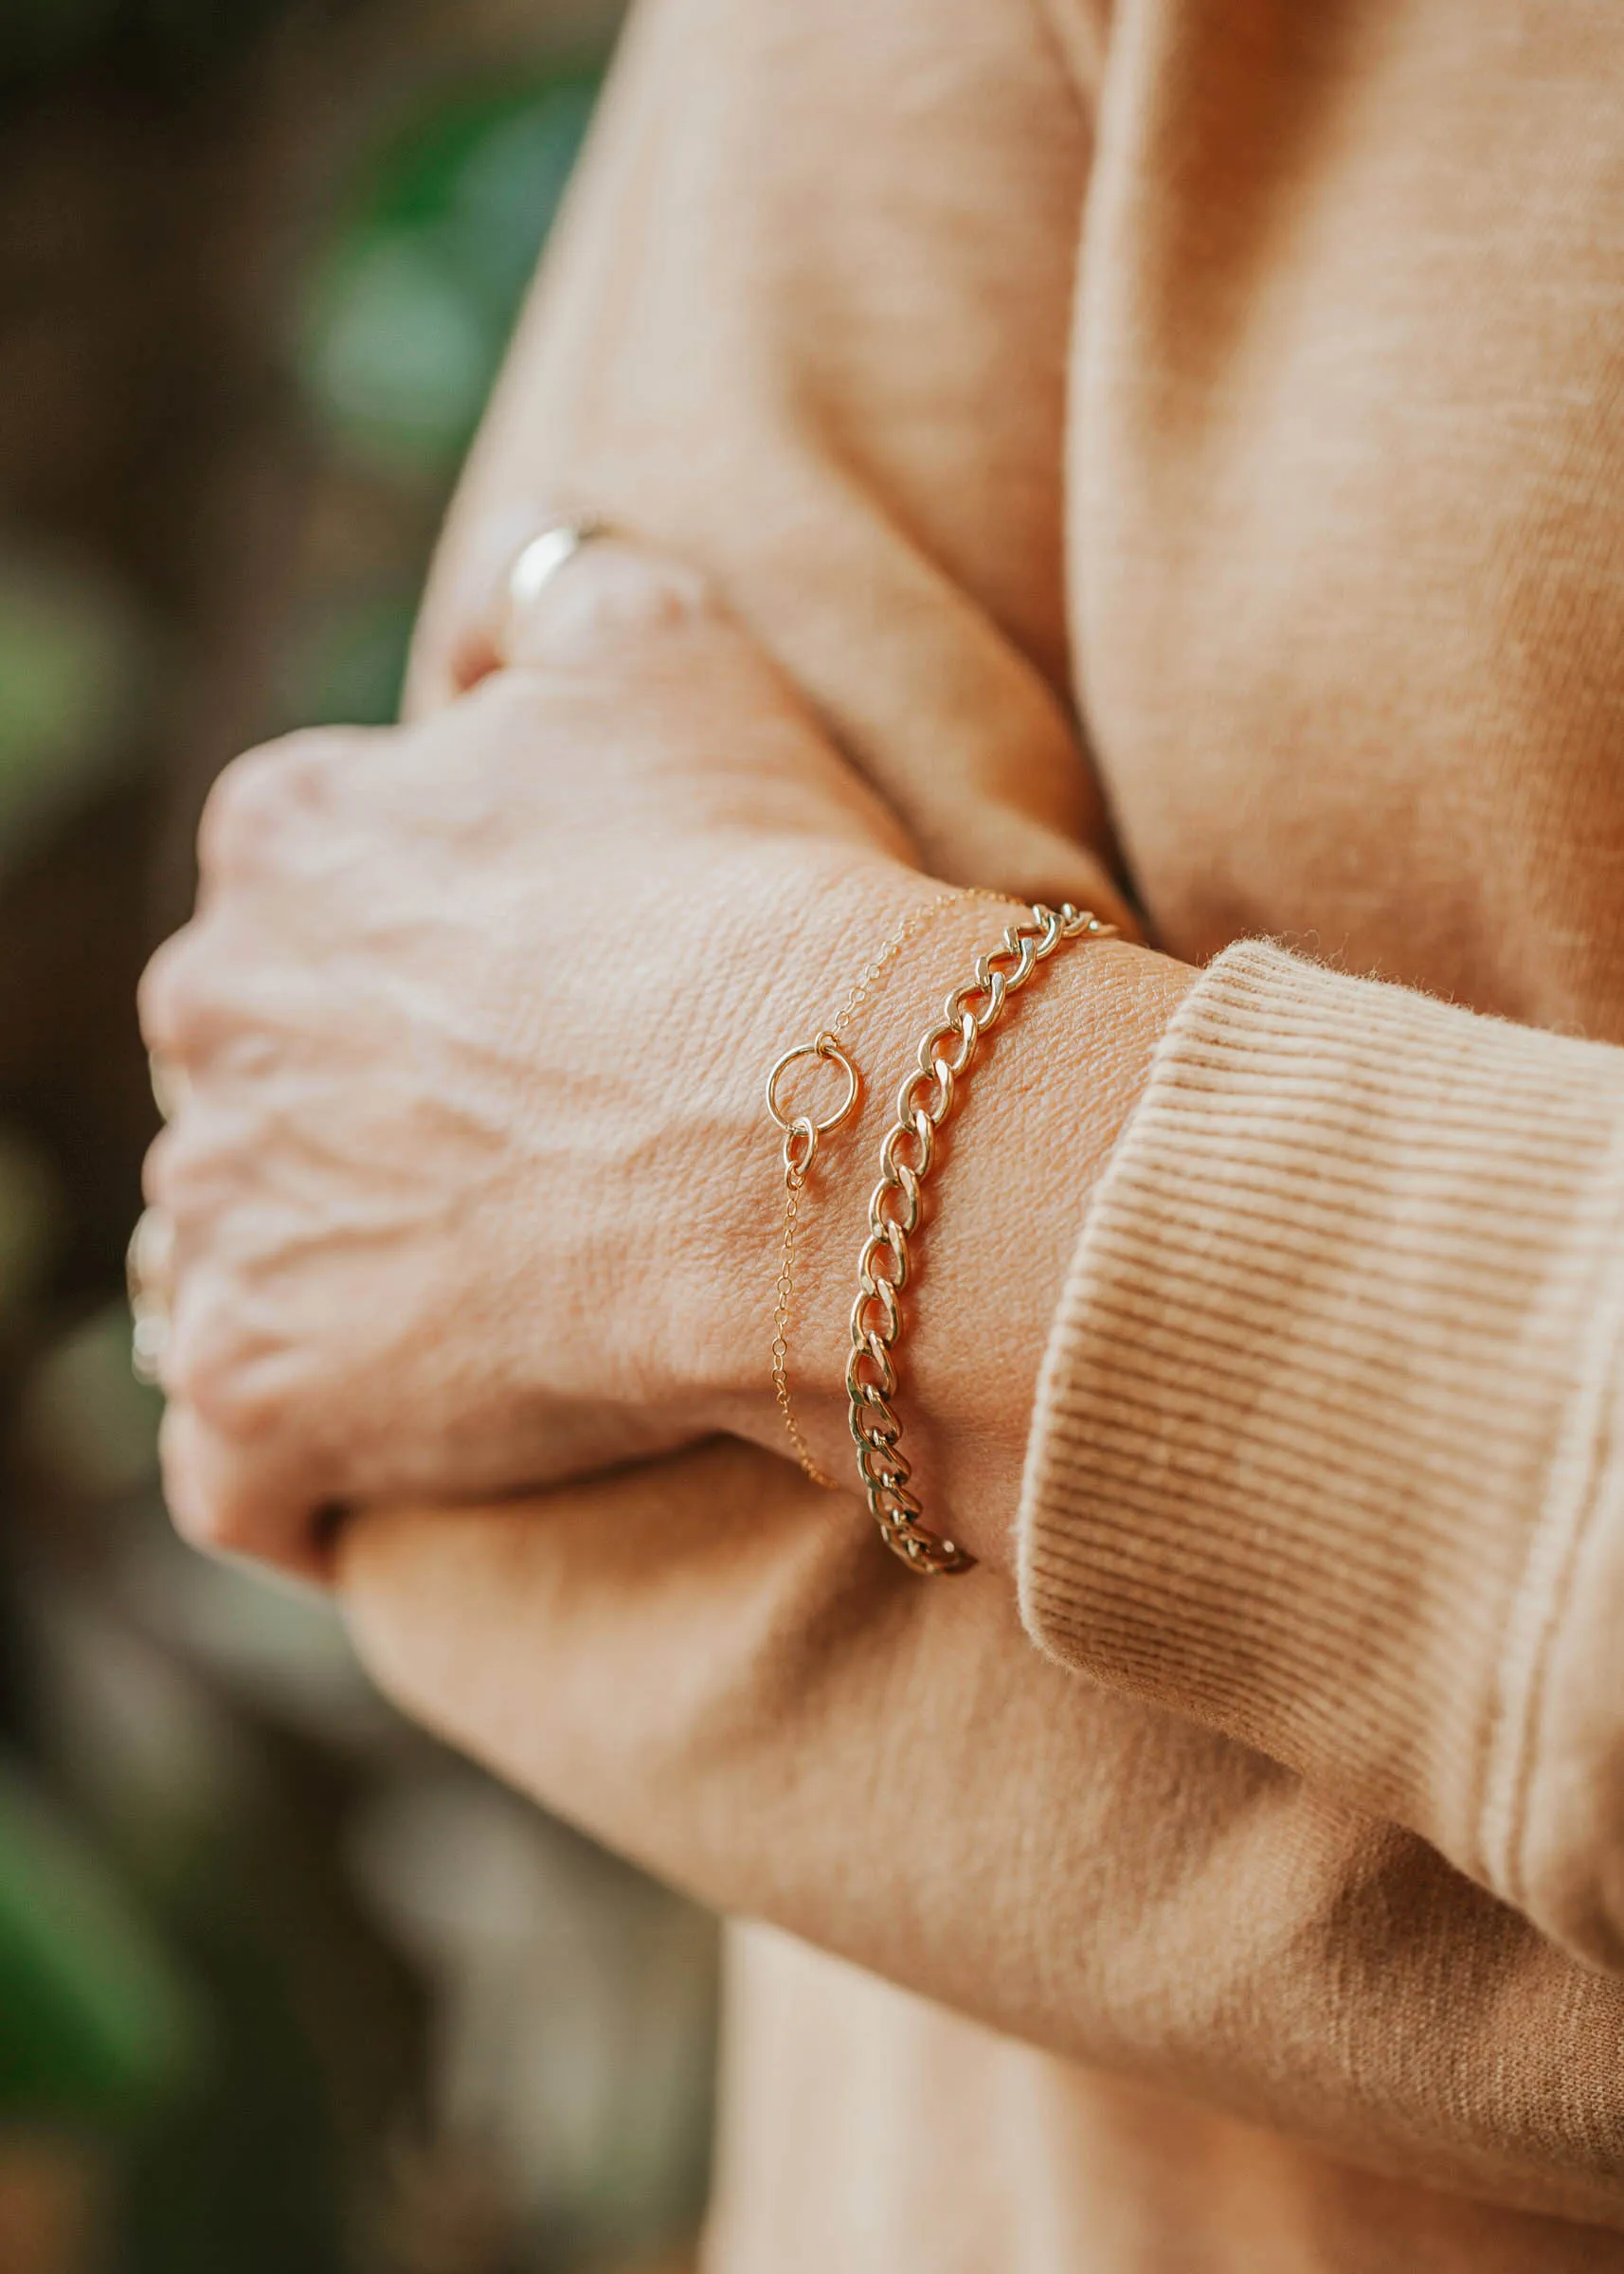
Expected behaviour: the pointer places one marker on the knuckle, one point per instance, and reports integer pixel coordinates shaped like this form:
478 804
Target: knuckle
223 1498
611 596
193 1475
203 1518
257 795
170 998
215 1510
208 1368
232 830
508 702
159 1183
644 593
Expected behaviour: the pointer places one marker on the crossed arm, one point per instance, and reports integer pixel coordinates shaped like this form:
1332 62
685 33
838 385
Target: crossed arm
702 1659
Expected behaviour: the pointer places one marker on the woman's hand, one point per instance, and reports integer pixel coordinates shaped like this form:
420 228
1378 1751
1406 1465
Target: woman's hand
471 1187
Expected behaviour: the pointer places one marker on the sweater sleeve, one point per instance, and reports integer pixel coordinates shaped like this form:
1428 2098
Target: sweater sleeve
1324 1453
737 351
707 1664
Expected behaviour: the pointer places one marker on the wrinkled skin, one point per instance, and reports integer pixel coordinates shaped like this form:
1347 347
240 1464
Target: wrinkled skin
470 1026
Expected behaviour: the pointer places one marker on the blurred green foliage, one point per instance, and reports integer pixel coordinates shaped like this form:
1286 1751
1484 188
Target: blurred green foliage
95 2024
411 309
86 1375
73 667
405 319
342 2005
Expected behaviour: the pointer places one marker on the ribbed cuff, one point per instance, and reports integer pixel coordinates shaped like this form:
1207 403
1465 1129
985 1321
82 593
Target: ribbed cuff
1322 1432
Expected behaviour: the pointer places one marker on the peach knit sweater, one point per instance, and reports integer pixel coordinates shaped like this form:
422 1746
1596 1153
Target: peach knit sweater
1181 449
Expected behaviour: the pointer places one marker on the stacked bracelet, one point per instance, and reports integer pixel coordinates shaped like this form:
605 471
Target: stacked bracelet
802 1132
923 1103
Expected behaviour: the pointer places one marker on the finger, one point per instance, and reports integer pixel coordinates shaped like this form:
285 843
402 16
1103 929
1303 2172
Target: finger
164 996
611 591
474 623
470 625
261 794
460 631
235 1501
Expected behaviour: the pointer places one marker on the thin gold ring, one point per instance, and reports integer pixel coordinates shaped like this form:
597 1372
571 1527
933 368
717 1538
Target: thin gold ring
149 1274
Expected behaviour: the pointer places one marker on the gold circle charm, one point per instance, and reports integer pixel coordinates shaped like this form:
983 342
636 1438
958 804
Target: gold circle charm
821 1046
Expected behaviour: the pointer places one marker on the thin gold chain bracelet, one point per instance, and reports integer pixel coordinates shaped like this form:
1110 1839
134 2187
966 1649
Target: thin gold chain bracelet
924 1102
802 1132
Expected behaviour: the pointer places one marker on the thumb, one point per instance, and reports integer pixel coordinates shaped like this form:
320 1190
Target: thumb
500 599
572 592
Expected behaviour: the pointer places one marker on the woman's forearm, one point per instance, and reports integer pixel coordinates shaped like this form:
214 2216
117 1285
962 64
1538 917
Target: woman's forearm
673 373
711 1665
717 1668
1033 1126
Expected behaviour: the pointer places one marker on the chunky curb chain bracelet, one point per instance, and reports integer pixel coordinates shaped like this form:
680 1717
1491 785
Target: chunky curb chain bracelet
923 1103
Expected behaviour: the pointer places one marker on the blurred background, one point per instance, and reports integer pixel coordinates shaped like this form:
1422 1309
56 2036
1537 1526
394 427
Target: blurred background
284 1988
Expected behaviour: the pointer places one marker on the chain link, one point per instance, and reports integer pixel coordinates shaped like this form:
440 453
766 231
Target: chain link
923 1103
794 1183
800 1136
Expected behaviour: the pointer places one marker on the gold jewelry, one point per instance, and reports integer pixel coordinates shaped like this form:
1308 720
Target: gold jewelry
802 1132
801 1135
149 1274
923 1104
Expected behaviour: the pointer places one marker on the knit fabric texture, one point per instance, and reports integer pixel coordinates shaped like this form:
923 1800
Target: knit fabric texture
1176 443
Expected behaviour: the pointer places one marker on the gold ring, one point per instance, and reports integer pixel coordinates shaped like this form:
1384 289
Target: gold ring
149 1275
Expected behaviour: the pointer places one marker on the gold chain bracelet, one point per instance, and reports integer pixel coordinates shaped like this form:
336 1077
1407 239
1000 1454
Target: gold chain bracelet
923 1104
802 1132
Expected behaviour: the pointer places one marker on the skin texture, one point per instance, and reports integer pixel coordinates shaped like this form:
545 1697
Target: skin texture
472 1187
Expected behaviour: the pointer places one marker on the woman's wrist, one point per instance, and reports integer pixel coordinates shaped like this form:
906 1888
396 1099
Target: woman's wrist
1036 1122
795 928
